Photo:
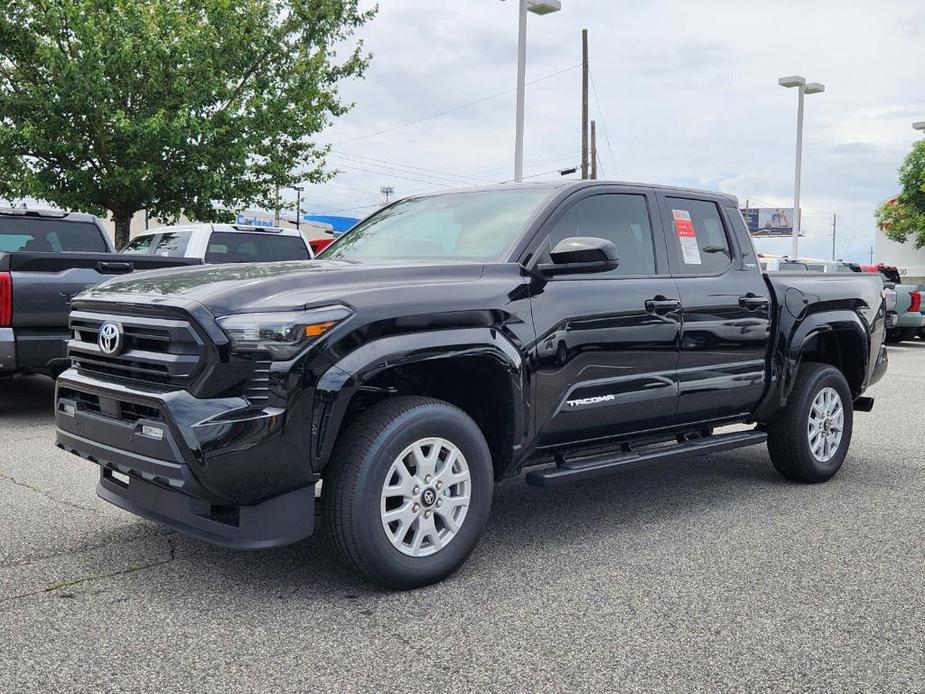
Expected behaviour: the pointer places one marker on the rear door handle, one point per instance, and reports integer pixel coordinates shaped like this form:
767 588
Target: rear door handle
661 304
753 303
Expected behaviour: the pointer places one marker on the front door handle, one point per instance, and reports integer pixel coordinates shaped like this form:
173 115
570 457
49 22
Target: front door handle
661 304
751 302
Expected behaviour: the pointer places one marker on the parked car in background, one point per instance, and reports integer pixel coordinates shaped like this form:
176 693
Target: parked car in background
419 361
910 311
46 258
318 245
222 243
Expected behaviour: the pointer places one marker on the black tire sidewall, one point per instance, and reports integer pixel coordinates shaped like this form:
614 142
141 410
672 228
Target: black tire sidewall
389 564
827 377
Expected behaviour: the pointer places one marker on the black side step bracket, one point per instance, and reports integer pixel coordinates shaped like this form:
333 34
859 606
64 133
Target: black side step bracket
589 468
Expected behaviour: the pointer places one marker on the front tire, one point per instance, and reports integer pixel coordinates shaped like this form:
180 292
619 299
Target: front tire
408 492
809 439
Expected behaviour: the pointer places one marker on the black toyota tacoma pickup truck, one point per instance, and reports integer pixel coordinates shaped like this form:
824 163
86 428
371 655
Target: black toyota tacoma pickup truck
449 341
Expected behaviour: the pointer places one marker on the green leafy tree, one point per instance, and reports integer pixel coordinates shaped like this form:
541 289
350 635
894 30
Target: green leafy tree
170 106
904 215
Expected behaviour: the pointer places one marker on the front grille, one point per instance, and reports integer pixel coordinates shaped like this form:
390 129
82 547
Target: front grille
164 352
257 390
110 407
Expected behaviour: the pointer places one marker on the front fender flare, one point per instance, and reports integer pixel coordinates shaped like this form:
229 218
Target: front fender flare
340 382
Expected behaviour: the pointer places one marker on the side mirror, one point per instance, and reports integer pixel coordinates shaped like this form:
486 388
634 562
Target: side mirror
581 254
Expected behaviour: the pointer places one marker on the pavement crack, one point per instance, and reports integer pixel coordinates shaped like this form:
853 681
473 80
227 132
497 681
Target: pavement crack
172 555
83 550
46 494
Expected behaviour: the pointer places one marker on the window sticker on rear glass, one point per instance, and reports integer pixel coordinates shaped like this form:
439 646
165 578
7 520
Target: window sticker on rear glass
684 228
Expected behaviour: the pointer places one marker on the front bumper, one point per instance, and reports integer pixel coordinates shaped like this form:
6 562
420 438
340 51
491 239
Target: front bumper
276 522
218 469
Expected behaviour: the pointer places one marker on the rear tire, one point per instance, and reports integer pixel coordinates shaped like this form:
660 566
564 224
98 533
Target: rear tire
907 333
408 492
809 439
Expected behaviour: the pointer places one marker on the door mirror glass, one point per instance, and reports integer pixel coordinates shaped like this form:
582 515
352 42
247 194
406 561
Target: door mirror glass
581 254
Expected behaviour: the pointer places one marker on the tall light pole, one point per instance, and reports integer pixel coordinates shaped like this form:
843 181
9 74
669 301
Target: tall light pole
802 89
539 7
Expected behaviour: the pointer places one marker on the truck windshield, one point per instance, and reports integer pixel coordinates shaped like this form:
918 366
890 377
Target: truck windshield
38 235
479 225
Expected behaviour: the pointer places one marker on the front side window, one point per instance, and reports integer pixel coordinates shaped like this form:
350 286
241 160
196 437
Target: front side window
697 240
480 225
172 244
140 245
620 218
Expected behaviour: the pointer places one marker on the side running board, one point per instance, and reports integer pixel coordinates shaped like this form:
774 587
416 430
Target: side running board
589 468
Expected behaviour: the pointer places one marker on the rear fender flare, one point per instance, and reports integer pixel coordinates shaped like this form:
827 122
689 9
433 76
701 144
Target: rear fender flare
811 327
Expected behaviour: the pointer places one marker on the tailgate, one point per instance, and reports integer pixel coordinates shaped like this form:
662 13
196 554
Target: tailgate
44 283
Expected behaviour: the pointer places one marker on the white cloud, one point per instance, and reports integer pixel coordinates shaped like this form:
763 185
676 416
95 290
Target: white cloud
688 95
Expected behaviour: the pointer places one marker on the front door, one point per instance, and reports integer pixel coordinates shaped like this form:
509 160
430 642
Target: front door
607 343
726 318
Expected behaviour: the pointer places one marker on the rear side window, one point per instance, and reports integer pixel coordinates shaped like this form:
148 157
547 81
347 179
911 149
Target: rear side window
240 247
41 235
621 218
697 240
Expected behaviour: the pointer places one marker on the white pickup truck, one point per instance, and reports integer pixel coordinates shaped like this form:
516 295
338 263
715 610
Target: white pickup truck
222 243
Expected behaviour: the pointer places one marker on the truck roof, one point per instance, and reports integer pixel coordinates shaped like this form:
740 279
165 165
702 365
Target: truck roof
576 185
243 228
56 214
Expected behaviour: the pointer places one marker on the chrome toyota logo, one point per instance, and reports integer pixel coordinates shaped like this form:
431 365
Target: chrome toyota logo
109 339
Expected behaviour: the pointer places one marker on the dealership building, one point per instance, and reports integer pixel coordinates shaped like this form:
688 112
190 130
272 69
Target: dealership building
905 256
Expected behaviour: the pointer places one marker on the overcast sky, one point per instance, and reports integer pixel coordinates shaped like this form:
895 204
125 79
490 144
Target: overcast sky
685 95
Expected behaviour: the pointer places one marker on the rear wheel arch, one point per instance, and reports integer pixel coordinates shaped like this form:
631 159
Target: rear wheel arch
845 348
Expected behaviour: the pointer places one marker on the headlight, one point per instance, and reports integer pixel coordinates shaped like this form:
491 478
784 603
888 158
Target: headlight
282 335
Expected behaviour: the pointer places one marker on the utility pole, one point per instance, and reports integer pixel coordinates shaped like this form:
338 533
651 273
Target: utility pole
871 255
298 207
276 207
387 192
584 104
834 220
593 151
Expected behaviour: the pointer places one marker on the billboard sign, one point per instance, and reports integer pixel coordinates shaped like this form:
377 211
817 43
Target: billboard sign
769 221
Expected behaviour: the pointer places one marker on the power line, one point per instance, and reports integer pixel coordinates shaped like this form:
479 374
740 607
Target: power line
442 184
457 179
603 125
455 108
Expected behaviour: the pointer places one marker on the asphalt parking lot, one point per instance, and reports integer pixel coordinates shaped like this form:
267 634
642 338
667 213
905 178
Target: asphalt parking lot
707 575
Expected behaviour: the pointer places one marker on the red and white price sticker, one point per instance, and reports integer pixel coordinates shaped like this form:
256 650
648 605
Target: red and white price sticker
684 228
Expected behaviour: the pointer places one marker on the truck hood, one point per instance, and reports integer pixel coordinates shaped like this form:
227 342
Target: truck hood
282 286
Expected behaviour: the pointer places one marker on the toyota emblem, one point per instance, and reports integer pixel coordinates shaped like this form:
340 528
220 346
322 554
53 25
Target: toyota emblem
110 339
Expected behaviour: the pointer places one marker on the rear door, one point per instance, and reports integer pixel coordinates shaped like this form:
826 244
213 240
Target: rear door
725 315
606 352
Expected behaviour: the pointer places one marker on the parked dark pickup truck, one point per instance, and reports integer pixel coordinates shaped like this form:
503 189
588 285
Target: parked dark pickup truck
452 340
46 257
